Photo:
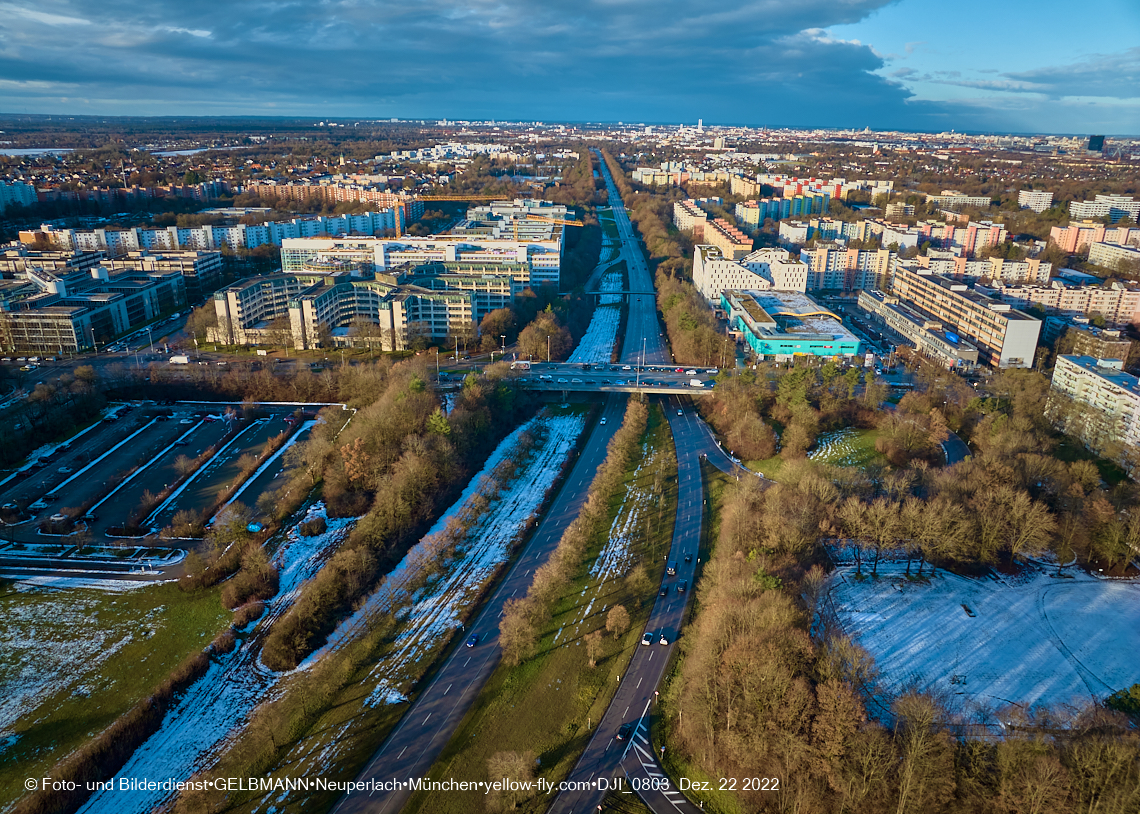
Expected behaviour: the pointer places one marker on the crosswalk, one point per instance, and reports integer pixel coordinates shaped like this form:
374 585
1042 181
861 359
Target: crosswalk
656 788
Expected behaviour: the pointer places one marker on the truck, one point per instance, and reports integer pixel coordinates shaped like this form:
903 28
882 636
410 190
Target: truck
696 383
520 365
179 360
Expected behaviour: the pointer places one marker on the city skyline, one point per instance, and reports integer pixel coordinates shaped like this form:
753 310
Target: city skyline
867 63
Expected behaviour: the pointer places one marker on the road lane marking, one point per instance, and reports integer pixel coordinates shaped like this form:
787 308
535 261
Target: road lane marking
426 720
449 685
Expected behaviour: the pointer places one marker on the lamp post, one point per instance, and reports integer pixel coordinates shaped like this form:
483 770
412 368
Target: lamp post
548 349
503 337
93 342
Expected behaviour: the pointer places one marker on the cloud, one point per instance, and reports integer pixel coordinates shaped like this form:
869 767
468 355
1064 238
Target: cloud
1107 75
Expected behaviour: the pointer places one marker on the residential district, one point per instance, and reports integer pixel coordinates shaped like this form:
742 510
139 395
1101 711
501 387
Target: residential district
343 334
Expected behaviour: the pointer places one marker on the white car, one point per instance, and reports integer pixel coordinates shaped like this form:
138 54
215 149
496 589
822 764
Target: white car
603 421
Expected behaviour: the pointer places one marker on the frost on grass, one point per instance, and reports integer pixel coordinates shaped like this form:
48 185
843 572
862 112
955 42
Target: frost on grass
218 704
597 345
1034 640
48 644
613 560
838 448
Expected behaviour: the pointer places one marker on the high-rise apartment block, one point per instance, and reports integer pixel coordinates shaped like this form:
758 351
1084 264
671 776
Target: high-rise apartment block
1077 237
1036 199
1113 207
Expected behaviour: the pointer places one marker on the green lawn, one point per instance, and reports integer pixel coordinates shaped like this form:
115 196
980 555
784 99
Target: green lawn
606 219
550 704
1070 450
81 658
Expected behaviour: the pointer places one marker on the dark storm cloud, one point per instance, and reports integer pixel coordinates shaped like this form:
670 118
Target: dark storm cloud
748 61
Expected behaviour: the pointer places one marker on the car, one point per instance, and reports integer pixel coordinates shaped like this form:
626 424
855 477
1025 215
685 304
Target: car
626 367
620 382
603 421
663 640
58 518
682 586
6 359
65 470
50 359
664 589
21 358
562 381
575 381
679 370
220 364
10 507
254 528
626 731
691 372
26 368
181 443
186 421
473 640
680 411
688 558
90 517
647 638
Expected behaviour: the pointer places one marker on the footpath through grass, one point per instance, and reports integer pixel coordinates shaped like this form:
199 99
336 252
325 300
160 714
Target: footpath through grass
549 704
847 447
73 661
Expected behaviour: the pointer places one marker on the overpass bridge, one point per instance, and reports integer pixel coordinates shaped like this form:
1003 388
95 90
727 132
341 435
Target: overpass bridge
617 378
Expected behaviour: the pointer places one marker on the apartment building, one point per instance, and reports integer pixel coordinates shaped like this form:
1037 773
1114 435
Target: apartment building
732 242
1112 424
991 268
1077 237
332 192
206 238
898 210
762 270
200 270
953 200
1113 207
1036 199
19 258
927 336
1118 303
689 217
968 239
1110 255
1004 336
530 263
834 267
16 193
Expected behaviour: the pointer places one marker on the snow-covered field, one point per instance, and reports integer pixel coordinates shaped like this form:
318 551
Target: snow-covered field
1033 640
838 448
491 529
216 705
597 345
53 643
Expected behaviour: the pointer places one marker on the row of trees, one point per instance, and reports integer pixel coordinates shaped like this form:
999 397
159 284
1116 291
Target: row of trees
523 619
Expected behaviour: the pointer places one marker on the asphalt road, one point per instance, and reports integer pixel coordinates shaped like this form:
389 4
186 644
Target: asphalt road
428 725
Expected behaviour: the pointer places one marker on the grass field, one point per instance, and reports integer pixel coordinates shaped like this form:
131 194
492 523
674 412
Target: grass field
72 661
609 227
846 447
549 704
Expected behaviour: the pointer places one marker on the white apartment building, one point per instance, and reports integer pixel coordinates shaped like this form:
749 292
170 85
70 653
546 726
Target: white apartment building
16 193
689 217
1117 302
1036 199
951 199
1113 395
763 270
793 232
1114 207
1109 254
530 263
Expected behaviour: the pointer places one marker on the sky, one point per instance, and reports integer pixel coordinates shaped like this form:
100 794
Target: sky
1027 66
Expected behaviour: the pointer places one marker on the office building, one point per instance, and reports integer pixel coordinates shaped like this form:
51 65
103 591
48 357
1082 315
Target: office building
1036 199
1110 424
781 325
337 305
1113 207
72 310
529 263
927 336
1004 336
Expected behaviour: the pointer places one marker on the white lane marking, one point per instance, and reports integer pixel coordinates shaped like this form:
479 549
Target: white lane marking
426 720
445 692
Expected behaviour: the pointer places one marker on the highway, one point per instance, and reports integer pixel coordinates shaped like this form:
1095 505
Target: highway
427 726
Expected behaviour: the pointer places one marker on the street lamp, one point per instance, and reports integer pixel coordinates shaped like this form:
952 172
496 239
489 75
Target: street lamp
548 349
504 338
93 342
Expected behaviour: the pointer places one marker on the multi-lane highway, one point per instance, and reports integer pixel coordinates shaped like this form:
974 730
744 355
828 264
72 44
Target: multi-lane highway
426 728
